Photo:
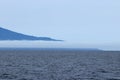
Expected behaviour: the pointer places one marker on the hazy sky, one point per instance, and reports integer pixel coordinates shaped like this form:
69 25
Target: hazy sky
93 22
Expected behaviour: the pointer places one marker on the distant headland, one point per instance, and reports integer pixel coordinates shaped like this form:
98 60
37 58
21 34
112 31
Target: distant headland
6 34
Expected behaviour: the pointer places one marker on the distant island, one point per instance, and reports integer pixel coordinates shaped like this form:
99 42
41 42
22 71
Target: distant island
6 34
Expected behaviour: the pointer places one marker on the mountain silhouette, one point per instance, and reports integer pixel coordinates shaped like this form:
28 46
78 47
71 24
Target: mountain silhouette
6 34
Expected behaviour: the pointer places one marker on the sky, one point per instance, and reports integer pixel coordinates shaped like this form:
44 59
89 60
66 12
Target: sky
81 23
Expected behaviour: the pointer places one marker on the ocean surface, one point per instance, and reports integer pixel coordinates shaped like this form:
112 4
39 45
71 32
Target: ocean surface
29 64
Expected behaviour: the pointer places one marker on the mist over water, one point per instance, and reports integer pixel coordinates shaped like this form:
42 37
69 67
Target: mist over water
56 44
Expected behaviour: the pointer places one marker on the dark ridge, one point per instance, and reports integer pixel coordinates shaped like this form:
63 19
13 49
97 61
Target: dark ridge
6 34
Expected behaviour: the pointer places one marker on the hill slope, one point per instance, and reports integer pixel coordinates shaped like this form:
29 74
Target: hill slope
11 35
